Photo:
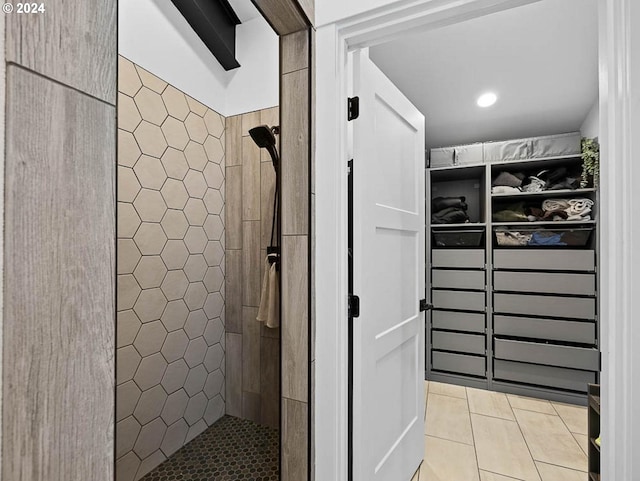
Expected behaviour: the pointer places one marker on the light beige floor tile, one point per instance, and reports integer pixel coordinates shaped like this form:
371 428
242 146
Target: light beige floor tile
575 417
501 448
487 476
530 404
583 441
550 441
447 389
549 472
448 418
448 461
489 403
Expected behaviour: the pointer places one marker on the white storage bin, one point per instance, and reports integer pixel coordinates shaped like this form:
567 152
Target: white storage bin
517 149
556 145
457 155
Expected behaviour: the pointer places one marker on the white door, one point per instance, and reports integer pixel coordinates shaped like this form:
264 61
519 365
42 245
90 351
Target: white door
388 276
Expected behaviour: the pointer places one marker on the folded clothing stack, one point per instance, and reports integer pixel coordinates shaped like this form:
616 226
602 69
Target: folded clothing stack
556 179
449 210
552 210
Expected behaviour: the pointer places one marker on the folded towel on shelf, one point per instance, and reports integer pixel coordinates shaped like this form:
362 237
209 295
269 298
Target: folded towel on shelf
508 179
550 205
535 185
579 207
505 189
450 215
441 203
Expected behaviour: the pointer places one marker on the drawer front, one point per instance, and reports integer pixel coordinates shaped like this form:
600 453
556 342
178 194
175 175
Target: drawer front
553 330
554 283
545 260
441 279
458 258
459 363
556 145
458 321
549 354
441 157
507 150
551 306
462 300
453 341
555 377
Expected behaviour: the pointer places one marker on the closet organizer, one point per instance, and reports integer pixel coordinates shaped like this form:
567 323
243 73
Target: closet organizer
512 271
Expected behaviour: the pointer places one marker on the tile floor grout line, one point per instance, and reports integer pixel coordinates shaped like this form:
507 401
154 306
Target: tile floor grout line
503 475
445 439
526 443
473 437
563 467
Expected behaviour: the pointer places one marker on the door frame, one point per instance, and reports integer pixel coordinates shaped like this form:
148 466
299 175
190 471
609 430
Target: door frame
617 116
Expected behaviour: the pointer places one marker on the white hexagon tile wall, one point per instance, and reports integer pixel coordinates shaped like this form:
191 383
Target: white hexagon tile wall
170 332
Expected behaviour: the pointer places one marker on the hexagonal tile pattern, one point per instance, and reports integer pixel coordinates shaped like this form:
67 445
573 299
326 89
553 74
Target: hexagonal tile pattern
128 150
213 253
150 305
128 116
175 345
151 81
195 211
150 205
128 220
175 102
195 408
213 175
127 467
174 437
195 240
175 163
127 396
175 194
150 338
196 323
196 106
175 285
215 410
150 271
213 384
150 139
150 239
150 438
195 268
150 172
128 256
195 296
214 123
175 224
128 326
175 253
150 371
196 351
175 406
213 305
213 227
213 279
195 380
213 332
214 149
213 201
126 431
175 376
128 185
128 291
128 81
150 462
196 127
150 405
175 133
213 357
175 315
196 156
195 183
150 106
128 362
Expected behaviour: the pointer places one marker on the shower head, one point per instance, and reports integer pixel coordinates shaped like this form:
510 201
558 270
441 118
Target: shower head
265 138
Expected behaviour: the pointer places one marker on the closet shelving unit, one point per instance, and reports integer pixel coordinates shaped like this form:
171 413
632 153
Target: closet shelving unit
518 319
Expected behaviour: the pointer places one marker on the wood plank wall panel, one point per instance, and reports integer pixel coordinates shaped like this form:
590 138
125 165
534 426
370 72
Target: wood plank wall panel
60 270
73 43
295 462
285 16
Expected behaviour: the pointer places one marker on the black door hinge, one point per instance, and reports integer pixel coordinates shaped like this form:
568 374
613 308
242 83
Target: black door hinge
425 306
353 108
354 306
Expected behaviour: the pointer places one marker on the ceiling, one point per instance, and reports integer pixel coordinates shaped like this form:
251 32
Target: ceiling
540 59
244 9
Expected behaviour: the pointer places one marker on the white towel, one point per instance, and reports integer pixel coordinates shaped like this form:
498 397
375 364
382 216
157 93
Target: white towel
269 311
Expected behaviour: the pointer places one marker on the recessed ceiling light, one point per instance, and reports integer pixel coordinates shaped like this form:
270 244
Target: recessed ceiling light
487 99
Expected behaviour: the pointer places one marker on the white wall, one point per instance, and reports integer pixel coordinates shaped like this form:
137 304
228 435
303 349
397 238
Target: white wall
153 34
591 126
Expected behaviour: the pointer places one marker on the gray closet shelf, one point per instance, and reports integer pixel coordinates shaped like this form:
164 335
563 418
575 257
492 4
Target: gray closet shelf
545 194
458 226
547 223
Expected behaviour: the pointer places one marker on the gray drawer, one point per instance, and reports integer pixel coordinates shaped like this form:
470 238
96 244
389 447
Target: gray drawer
453 341
458 258
461 300
555 377
544 260
556 145
551 329
458 321
448 279
550 306
460 363
551 282
550 354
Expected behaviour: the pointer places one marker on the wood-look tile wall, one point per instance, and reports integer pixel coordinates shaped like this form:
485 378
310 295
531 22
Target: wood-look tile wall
253 351
59 312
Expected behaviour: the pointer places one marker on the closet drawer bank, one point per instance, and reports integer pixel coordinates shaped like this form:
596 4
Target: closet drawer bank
449 279
551 306
462 300
453 341
549 282
459 363
545 260
458 258
549 354
458 321
550 329
554 377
